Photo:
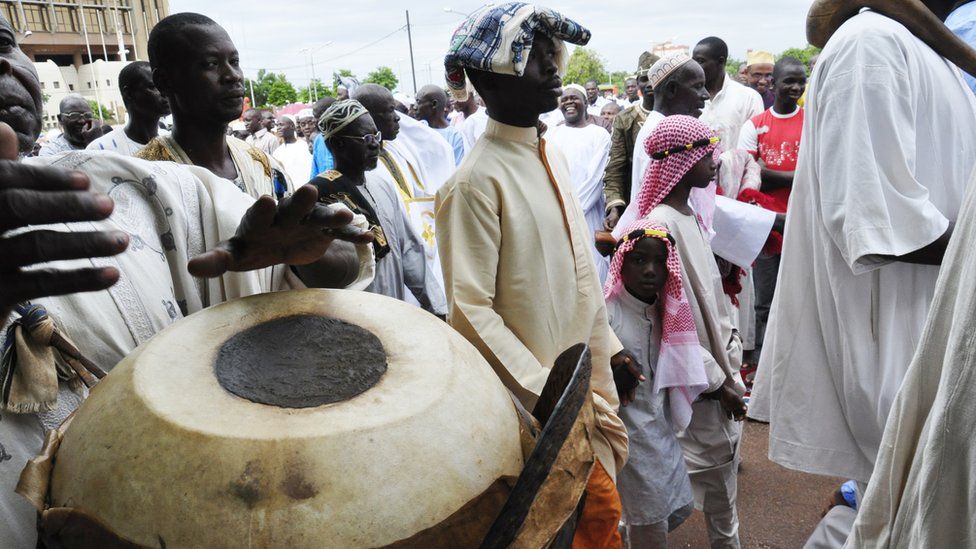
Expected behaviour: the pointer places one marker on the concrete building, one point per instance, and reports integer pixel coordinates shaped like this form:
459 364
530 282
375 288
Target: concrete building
668 47
79 46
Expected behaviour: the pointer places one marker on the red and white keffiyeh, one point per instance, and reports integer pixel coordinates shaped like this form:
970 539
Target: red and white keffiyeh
680 366
663 174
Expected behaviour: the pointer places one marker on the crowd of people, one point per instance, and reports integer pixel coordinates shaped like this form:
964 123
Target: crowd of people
787 244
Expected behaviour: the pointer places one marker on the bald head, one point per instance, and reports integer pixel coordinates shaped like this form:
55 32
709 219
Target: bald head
432 106
381 105
74 103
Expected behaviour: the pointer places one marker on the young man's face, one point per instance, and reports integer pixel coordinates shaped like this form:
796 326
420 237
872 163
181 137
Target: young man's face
610 111
540 83
252 122
645 269
630 88
592 91
308 126
790 84
712 65
145 98
207 83
573 106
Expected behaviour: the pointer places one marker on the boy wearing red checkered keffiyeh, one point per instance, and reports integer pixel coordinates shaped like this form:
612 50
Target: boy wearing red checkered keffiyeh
683 151
650 314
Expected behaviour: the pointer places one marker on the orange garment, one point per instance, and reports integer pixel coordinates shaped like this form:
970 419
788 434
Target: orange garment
597 528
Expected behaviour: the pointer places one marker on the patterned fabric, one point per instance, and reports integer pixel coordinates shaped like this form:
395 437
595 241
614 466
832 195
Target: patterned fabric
662 175
339 115
665 67
680 365
499 38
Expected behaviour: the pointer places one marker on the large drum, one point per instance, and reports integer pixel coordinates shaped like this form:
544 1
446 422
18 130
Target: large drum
312 418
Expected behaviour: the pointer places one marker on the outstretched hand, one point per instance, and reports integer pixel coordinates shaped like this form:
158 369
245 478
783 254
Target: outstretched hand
36 195
296 231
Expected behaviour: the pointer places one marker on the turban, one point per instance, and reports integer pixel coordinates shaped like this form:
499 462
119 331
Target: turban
339 115
666 66
759 57
675 146
499 38
680 367
575 87
645 62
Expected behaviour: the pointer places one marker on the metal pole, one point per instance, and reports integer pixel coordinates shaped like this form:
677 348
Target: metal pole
84 29
315 88
413 71
118 31
23 18
101 32
251 83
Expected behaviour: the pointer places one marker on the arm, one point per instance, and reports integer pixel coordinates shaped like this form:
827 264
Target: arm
774 179
468 238
416 276
616 174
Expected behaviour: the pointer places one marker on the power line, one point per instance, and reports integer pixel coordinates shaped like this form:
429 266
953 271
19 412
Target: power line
347 54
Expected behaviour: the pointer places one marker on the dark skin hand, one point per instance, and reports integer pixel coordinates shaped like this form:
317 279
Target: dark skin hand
613 217
626 375
931 254
775 179
34 195
296 231
733 404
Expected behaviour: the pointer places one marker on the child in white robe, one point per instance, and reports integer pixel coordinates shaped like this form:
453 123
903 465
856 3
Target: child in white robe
682 151
652 318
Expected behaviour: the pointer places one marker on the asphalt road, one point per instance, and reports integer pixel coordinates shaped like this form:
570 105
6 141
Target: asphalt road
778 508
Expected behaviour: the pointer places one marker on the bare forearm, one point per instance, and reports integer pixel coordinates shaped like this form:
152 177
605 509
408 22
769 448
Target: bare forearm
337 268
775 179
931 254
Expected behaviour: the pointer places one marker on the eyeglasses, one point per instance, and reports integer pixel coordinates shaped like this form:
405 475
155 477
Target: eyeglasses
368 139
76 116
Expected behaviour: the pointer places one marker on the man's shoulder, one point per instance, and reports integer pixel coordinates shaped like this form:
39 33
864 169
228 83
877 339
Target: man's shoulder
871 34
330 175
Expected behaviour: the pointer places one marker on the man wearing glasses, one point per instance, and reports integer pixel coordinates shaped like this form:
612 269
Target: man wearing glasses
353 137
76 120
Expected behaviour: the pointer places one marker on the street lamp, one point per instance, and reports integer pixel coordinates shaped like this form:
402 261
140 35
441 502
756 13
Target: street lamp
311 61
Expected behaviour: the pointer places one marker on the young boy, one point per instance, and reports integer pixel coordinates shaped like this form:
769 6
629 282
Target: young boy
652 318
682 152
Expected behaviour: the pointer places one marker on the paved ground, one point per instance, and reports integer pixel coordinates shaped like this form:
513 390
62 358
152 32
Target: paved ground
778 508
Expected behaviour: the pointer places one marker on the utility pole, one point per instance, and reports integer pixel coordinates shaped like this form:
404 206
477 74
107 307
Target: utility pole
413 71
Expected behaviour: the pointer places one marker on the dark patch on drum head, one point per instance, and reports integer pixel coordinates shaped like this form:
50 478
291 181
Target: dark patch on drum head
300 361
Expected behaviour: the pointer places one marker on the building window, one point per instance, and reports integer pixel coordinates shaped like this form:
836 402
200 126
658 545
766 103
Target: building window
71 87
42 85
108 83
57 84
89 85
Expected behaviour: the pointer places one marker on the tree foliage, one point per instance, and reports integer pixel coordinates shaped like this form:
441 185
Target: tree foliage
384 76
803 54
107 113
282 93
313 91
585 65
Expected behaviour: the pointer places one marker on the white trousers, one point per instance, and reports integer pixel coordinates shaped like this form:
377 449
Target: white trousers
711 448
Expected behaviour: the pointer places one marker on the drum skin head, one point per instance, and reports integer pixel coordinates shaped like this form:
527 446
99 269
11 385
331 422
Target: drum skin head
164 452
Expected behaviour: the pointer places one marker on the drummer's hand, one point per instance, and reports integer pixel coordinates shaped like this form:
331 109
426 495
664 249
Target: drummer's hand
296 231
626 375
36 195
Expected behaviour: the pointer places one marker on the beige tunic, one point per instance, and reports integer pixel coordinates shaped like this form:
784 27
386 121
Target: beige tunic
922 492
519 275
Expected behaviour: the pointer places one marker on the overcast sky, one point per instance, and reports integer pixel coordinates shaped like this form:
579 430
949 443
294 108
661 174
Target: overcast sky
362 34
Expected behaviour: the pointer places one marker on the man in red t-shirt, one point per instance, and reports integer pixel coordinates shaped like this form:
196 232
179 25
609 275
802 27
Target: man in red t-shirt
773 138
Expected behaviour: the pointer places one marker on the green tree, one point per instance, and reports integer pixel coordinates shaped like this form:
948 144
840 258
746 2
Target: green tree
282 92
383 76
315 89
732 66
803 54
107 113
585 65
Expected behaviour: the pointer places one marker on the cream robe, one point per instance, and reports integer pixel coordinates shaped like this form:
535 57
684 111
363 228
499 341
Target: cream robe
519 272
171 213
254 175
889 144
922 492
